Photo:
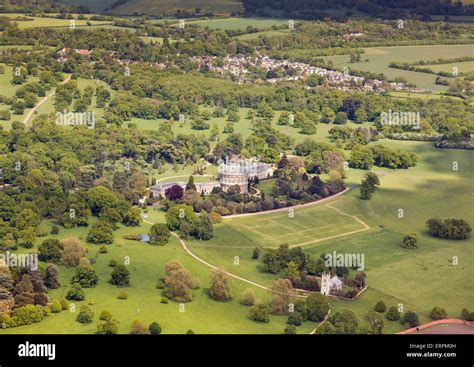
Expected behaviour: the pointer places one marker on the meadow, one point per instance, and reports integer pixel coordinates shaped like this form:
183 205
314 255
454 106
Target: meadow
380 57
7 89
240 23
202 315
243 126
419 279
462 67
43 22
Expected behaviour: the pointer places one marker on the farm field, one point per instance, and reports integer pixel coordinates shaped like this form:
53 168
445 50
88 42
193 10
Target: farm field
380 57
462 67
419 279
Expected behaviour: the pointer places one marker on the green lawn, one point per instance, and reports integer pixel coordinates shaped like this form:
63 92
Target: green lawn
418 279
380 57
202 315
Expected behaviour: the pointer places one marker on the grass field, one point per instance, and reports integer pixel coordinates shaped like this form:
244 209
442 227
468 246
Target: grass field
40 22
151 7
243 126
418 279
380 57
7 89
202 315
48 107
240 23
462 67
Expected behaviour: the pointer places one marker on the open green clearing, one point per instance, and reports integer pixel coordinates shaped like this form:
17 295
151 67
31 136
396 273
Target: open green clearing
380 57
419 279
243 126
9 90
37 22
48 107
240 23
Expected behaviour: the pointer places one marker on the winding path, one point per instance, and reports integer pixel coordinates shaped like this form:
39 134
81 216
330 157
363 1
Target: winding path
43 101
201 260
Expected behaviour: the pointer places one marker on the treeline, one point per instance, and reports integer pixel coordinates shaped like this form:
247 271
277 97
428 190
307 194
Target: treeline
39 6
449 74
316 9
364 157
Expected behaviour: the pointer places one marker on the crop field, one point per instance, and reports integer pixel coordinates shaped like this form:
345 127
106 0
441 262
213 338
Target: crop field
380 57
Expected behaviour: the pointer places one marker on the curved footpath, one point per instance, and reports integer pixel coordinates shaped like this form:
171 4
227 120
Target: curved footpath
201 260
43 101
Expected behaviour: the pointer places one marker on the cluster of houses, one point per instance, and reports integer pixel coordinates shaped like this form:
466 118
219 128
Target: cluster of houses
65 50
240 67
